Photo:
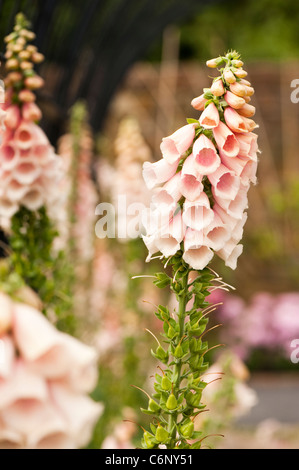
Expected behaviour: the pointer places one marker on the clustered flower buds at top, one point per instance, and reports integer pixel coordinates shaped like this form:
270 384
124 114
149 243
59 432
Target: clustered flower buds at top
202 181
45 379
29 166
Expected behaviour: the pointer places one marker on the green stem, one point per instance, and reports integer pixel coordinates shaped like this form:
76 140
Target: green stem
172 420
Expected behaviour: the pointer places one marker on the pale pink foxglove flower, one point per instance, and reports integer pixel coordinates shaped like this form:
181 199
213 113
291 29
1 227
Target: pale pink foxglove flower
226 140
45 379
169 193
196 253
210 117
170 236
216 233
215 172
198 214
225 183
190 182
175 145
206 158
158 172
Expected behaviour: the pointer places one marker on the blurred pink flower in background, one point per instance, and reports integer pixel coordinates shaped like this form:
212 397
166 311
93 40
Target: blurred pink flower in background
266 321
45 378
29 167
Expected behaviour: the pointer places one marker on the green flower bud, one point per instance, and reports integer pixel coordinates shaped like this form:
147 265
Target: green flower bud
148 440
153 405
170 332
178 351
171 403
187 429
166 383
161 434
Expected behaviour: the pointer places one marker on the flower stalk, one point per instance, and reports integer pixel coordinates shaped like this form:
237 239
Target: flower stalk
179 385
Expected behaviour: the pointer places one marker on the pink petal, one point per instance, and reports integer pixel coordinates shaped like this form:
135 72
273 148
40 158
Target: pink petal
230 254
170 193
206 157
234 121
226 140
21 384
198 214
158 172
216 233
190 183
34 420
173 146
225 183
80 412
210 117
171 236
196 254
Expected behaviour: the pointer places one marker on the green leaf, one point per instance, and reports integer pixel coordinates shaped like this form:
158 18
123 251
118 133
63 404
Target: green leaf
162 280
192 121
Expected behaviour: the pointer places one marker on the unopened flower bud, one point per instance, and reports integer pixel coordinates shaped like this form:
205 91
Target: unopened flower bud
240 73
217 62
237 63
37 57
238 89
187 429
30 35
243 81
26 96
199 102
247 110
35 82
26 65
24 55
10 37
229 76
171 403
16 47
12 64
13 77
249 90
153 406
211 63
21 41
8 54
149 440
166 383
217 88
31 48
161 434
